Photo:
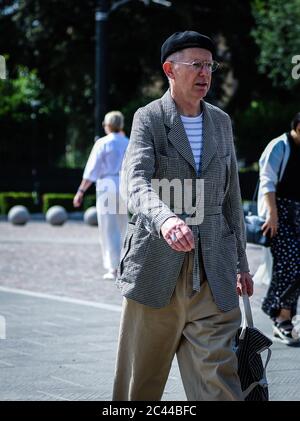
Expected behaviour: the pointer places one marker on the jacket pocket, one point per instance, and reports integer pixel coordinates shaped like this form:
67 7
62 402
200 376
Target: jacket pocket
228 249
228 258
126 246
226 230
225 161
134 252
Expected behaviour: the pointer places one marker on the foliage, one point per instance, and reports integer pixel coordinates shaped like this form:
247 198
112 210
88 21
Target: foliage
19 96
62 199
53 44
66 200
89 201
277 35
10 199
261 122
57 38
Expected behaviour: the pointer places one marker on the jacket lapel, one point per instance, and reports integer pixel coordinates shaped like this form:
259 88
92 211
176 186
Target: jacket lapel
176 135
209 147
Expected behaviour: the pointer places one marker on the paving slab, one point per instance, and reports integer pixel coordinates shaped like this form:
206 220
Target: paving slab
62 319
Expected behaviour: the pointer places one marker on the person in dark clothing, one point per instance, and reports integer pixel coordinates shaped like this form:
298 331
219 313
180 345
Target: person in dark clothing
279 203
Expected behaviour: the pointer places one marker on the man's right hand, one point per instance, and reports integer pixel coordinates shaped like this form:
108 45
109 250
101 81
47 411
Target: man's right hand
78 198
177 234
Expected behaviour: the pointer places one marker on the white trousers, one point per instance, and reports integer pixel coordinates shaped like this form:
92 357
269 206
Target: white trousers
112 227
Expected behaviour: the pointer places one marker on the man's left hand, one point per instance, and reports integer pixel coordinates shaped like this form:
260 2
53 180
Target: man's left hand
244 283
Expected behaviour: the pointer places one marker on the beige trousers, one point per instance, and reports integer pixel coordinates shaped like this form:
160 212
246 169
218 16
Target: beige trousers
192 327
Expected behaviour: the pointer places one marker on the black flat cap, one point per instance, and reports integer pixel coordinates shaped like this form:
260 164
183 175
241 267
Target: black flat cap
187 39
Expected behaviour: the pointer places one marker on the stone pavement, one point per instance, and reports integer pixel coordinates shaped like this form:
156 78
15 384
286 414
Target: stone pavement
62 319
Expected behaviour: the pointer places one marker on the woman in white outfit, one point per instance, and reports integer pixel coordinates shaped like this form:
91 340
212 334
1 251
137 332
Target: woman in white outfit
103 167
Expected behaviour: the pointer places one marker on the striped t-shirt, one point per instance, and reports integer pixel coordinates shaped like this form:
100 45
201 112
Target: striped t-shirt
193 129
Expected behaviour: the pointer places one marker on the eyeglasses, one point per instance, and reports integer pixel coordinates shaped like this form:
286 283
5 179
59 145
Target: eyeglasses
211 66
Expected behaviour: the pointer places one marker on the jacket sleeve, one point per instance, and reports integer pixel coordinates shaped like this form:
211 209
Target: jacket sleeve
233 209
138 170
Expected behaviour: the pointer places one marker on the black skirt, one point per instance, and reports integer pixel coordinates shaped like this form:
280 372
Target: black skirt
284 289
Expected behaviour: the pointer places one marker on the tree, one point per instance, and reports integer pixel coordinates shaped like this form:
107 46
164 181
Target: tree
277 36
56 40
273 93
23 110
17 96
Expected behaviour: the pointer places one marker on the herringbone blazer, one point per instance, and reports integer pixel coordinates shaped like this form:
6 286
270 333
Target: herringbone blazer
159 149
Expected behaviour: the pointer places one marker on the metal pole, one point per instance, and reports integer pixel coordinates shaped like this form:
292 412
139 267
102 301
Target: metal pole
101 84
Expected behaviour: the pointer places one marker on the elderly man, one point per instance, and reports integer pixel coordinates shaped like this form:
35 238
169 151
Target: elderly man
181 273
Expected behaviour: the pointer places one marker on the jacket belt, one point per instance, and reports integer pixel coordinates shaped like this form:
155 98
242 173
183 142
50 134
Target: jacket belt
208 210
196 265
212 210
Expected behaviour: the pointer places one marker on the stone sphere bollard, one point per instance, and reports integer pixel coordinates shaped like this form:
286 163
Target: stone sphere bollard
18 215
90 216
56 215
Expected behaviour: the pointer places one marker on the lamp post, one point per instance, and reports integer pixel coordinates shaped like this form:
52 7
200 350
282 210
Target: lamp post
102 11
35 105
101 88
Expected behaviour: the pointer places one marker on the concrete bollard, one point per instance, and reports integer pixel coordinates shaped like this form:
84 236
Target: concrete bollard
90 216
18 215
56 215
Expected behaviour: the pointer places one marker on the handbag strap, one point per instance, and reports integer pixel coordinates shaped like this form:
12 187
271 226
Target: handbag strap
255 194
247 313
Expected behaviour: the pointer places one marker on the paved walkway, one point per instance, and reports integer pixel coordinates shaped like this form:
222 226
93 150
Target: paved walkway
62 319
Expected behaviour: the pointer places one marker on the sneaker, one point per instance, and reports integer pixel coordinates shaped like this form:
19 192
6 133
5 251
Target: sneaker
283 331
110 275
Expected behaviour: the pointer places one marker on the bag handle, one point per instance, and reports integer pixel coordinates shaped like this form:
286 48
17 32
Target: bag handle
248 319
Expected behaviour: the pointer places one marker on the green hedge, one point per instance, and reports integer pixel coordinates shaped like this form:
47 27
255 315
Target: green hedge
88 201
10 199
58 199
66 200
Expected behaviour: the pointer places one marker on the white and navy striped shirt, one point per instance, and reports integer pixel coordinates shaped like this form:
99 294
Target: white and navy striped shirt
193 129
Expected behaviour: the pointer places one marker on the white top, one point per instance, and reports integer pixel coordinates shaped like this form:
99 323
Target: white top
106 158
193 128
